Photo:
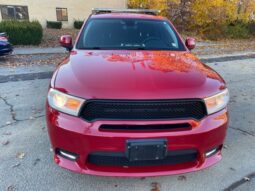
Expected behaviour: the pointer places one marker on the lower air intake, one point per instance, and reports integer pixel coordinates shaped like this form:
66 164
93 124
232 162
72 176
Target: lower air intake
119 159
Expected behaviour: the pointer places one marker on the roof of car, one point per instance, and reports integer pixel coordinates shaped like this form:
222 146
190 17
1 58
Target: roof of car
127 16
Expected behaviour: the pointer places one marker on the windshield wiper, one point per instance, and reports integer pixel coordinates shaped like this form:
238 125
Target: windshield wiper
91 48
96 48
133 48
124 48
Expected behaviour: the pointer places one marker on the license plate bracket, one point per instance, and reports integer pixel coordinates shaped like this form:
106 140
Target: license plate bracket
146 149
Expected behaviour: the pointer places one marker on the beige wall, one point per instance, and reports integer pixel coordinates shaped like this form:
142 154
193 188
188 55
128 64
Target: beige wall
43 10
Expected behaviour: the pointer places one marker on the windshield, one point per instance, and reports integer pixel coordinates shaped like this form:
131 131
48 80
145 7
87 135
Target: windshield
131 34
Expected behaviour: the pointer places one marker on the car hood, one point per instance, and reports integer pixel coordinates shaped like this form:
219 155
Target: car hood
136 75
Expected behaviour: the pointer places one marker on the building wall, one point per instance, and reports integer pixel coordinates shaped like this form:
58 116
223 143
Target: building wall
43 10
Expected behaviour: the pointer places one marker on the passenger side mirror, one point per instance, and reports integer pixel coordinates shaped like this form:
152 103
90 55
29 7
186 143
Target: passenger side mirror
190 43
66 42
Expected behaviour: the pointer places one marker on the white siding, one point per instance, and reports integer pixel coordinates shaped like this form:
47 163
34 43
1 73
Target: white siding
43 10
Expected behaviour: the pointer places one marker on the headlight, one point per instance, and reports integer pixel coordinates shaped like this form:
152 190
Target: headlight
217 102
64 102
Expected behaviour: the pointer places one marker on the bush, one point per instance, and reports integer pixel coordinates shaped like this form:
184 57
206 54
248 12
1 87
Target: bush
251 28
212 31
237 29
54 25
78 24
22 32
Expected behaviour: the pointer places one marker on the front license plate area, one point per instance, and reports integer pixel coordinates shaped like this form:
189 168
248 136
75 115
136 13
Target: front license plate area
146 149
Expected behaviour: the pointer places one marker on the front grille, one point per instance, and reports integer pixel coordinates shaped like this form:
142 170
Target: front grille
119 159
180 126
143 110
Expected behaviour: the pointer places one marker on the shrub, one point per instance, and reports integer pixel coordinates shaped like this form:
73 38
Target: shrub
54 24
212 31
23 32
251 28
237 29
78 24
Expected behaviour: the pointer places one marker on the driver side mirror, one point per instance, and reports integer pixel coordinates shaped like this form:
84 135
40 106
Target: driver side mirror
66 42
190 43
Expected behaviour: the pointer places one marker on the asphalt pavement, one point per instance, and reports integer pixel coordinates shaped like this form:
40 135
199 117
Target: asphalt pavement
26 159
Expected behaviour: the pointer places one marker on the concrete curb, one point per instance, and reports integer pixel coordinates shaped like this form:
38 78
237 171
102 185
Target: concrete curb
24 51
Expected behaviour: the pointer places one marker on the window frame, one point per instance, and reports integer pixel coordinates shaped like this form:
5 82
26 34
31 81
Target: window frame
14 7
62 18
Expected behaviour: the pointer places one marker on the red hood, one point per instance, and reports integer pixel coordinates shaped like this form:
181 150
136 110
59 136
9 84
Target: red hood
136 75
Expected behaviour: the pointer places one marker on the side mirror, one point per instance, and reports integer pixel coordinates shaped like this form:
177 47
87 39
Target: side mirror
3 37
66 42
190 43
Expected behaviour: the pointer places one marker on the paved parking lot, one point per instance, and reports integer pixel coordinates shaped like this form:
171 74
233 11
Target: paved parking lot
26 160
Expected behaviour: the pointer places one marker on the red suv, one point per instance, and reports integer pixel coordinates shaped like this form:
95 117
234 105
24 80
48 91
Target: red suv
131 100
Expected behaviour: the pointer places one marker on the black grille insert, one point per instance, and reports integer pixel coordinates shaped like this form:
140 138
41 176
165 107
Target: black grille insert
143 110
119 159
180 126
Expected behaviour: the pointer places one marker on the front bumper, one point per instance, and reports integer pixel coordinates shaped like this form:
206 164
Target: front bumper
6 51
83 138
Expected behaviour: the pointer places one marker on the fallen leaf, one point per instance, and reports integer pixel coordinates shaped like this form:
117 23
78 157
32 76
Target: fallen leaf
20 155
16 165
181 178
5 142
11 188
231 168
36 161
155 186
225 146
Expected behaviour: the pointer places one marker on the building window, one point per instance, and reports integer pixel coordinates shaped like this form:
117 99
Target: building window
13 12
62 14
